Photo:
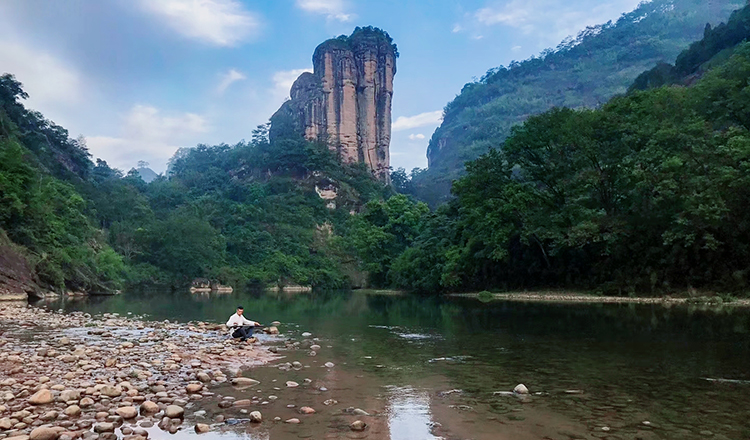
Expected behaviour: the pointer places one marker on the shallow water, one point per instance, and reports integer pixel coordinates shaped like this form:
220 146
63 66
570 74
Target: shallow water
429 368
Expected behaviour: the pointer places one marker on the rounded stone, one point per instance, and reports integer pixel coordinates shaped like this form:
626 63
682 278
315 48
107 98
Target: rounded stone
72 411
44 433
200 428
41 397
127 412
104 427
194 388
149 407
174 412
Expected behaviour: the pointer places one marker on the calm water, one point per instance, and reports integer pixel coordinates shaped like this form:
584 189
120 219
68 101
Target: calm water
600 371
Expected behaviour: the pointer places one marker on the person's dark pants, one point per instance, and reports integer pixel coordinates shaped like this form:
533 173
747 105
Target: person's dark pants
243 333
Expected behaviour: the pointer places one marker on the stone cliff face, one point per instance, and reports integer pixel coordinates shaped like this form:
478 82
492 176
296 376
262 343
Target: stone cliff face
346 101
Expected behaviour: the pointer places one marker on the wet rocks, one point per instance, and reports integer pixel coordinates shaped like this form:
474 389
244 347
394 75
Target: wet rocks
244 382
203 377
329 365
256 417
174 412
194 388
200 428
104 427
293 421
127 412
292 384
149 407
306 410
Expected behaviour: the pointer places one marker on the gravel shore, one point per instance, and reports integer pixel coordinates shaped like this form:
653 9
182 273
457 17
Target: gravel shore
68 376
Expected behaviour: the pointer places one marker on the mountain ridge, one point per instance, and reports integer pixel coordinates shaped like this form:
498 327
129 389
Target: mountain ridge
601 62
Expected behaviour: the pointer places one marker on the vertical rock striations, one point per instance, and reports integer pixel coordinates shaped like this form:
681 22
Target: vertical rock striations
346 101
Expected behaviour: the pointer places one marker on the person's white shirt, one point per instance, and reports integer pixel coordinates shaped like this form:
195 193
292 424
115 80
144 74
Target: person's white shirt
239 320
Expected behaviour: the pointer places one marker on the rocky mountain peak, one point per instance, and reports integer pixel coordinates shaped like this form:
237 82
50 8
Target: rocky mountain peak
346 101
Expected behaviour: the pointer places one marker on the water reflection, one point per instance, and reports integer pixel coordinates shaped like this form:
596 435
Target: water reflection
632 362
409 414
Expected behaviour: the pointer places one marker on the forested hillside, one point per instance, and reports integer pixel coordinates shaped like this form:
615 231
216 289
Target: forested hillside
250 213
649 193
583 72
716 47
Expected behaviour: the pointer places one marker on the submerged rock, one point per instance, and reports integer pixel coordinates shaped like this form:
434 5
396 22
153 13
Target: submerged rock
244 382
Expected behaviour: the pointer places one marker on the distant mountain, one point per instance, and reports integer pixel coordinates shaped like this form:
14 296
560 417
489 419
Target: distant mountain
601 62
147 174
716 47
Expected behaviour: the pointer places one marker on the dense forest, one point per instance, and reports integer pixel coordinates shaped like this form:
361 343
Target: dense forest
646 194
649 193
582 72
243 214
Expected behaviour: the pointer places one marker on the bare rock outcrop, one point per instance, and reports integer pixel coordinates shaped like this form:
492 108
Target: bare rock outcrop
17 280
346 100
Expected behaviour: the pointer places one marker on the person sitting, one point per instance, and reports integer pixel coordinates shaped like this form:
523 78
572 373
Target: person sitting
240 327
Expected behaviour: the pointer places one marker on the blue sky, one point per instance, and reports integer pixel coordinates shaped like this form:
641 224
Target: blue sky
141 78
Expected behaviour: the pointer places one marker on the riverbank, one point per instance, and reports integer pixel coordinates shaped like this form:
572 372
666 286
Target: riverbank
577 297
67 376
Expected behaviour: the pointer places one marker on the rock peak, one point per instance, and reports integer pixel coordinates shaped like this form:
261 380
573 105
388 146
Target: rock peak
346 101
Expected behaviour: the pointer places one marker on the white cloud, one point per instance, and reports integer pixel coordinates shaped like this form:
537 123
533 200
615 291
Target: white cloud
218 22
415 137
457 28
420 120
282 82
550 20
50 83
228 79
148 135
516 48
332 9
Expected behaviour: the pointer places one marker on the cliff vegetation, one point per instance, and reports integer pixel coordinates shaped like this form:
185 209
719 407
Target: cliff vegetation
584 72
245 214
647 194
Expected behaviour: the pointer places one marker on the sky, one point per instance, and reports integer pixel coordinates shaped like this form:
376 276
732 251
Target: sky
141 78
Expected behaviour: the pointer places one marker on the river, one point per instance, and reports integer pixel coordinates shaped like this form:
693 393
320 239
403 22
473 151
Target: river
440 368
